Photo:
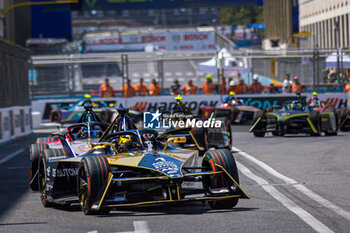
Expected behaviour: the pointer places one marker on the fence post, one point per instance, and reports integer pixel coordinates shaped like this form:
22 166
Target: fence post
160 69
125 71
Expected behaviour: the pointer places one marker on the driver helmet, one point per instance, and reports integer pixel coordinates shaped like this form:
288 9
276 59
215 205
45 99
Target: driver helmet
124 143
124 139
314 102
296 106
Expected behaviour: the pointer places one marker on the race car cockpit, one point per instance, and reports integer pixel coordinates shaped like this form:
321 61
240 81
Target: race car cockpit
126 141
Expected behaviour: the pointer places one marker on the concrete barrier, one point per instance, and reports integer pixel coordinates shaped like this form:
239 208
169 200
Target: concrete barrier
15 122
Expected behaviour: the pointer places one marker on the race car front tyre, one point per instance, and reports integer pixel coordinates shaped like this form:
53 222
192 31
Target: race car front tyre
42 178
315 118
92 175
220 182
34 157
259 130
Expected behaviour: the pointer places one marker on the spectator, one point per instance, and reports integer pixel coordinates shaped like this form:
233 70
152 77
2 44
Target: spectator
141 88
106 89
232 87
154 88
347 86
297 86
242 88
222 88
129 89
287 85
208 87
175 89
256 87
273 89
190 88
228 83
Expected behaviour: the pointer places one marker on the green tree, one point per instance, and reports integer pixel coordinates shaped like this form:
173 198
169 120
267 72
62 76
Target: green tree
241 15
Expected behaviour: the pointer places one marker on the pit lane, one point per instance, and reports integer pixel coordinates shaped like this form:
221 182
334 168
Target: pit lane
321 164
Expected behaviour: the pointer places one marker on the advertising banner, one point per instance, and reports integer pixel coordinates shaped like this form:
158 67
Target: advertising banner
160 40
152 103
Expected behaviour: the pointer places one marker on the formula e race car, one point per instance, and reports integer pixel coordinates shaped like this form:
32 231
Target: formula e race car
88 129
137 168
72 113
296 117
206 137
240 113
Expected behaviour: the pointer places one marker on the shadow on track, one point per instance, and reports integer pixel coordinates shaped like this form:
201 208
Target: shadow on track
14 174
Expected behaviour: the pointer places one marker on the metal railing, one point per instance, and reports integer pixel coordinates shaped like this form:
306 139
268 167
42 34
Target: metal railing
81 73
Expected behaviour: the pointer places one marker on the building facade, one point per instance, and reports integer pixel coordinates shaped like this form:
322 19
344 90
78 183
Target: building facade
327 20
281 21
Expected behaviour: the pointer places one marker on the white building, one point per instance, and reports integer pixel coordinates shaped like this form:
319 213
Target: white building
319 17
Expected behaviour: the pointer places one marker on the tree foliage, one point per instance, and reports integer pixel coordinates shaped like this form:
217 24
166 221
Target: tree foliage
241 15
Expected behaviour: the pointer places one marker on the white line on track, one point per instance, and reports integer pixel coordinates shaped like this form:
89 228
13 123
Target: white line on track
289 204
140 227
322 201
11 156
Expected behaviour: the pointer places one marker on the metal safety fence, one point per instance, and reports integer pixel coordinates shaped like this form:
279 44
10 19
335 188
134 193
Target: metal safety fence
76 74
14 66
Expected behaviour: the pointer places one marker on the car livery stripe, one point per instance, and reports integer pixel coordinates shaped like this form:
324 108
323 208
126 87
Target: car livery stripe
311 125
228 167
256 122
212 164
98 172
295 115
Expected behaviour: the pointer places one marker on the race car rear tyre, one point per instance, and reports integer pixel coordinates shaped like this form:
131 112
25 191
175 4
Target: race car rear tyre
343 117
335 133
55 116
259 130
106 115
315 118
46 139
42 178
229 134
201 136
92 175
225 159
234 115
35 151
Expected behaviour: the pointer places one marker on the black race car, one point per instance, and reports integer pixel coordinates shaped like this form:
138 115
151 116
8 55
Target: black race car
135 167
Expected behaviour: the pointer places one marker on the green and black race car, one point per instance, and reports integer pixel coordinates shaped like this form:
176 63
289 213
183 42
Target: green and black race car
296 117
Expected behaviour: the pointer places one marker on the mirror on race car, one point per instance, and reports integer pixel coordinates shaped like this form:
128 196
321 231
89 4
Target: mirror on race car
174 140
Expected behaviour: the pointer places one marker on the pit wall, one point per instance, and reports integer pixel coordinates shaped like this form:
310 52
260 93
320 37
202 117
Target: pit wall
15 122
